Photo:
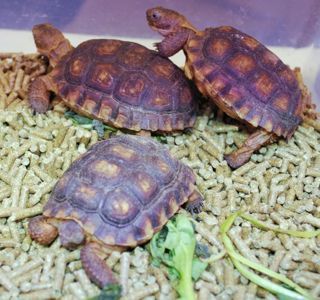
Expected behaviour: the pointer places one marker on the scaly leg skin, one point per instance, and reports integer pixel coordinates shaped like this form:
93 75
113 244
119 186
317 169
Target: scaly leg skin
172 43
71 234
254 142
95 267
41 231
194 203
39 94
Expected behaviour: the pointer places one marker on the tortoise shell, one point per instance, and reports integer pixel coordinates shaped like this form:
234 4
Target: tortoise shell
245 79
125 85
122 190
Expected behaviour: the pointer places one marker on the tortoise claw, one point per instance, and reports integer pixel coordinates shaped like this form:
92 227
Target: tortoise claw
195 203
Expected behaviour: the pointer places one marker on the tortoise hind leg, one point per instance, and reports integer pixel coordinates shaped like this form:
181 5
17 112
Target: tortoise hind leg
95 266
254 142
39 94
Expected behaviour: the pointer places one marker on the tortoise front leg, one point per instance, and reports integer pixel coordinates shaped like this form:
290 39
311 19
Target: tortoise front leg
194 203
254 142
42 231
71 234
39 94
95 266
172 43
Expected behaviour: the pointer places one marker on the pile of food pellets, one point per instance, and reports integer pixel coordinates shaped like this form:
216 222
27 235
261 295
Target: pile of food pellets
280 186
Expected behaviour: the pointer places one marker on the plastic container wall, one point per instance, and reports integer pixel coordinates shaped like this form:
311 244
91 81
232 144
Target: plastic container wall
290 28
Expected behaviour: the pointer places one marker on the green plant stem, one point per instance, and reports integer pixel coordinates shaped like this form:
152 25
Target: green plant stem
265 283
239 261
295 233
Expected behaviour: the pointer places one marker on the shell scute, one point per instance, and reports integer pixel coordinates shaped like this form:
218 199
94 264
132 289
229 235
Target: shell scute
159 100
131 87
103 169
161 69
103 76
124 153
250 42
121 207
86 197
242 63
217 48
77 68
264 86
144 186
107 48
134 56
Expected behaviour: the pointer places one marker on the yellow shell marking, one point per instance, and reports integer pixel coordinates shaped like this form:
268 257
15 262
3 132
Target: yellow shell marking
104 77
162 217
130 240
242 63
218 84
163 70
87 192
219 47
123 152
250 42
255 120
147 227
282 102
106 168
77 67
264 84
121 207
105 112
132 87
160 100
163 166
89 105
145 185
108 47
270 58
268 126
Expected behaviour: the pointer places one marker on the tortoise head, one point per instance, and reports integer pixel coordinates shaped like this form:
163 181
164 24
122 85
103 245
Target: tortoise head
50 42
167 21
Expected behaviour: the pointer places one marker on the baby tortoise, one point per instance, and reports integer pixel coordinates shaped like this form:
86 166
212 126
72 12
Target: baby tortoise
240 75
120 83
116 195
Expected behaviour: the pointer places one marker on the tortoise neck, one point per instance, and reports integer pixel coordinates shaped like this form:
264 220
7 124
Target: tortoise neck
60 51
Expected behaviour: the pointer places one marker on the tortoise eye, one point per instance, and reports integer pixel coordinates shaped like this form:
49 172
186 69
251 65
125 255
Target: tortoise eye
156 16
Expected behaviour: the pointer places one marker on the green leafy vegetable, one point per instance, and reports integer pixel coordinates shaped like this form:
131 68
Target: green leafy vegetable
198 266
161 139
109 292
78 120
88 123
291 290
174 246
